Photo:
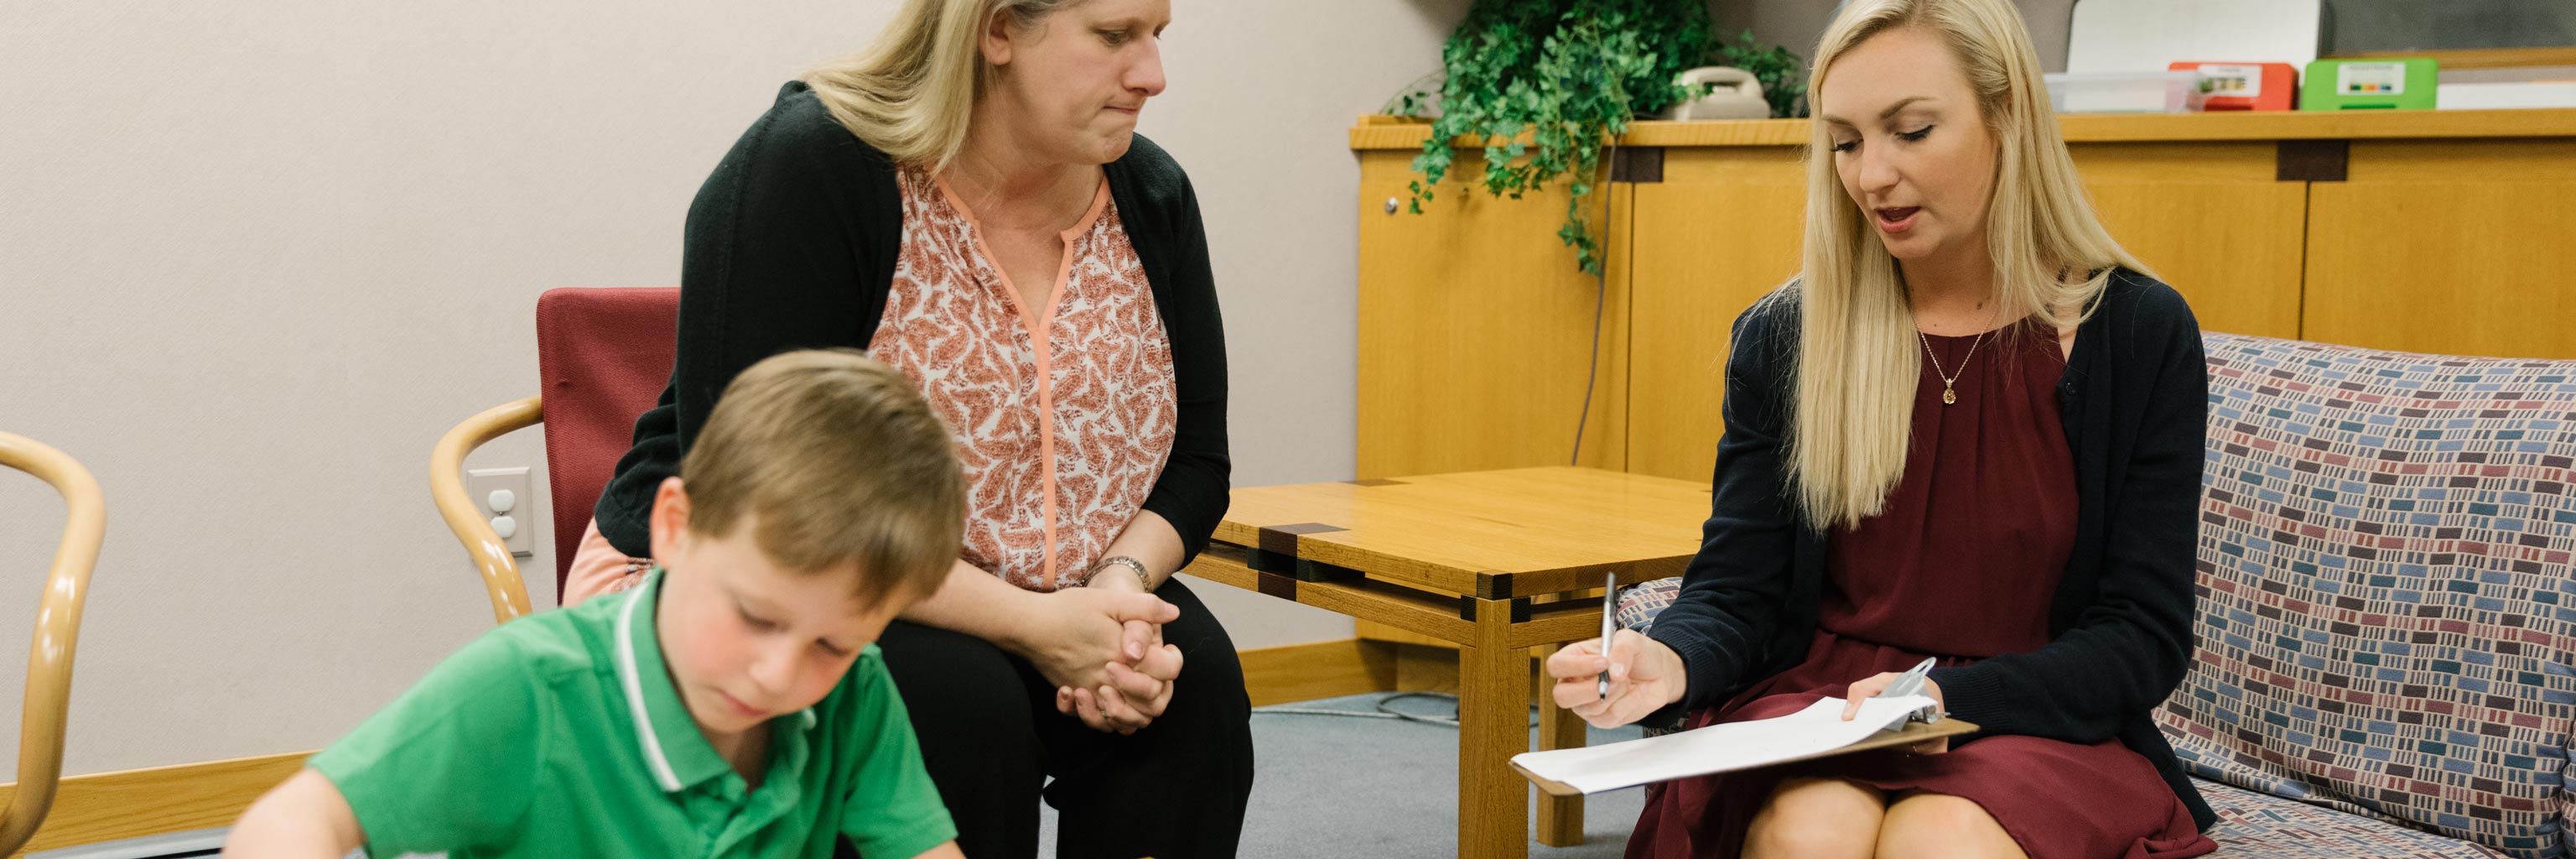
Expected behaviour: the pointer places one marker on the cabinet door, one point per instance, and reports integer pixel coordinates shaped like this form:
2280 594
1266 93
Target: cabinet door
1727 226
2450 247
1722 229
1476 329
2212 220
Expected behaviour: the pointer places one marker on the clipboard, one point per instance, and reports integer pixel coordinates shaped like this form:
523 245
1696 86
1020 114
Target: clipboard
1913 732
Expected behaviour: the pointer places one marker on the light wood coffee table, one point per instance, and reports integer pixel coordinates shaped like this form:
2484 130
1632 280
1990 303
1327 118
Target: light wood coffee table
1501 563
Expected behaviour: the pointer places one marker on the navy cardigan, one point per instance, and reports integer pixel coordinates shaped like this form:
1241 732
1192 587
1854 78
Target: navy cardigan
791 244
2134 400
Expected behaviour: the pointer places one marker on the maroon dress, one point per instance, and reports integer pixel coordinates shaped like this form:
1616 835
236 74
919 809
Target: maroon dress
1960 565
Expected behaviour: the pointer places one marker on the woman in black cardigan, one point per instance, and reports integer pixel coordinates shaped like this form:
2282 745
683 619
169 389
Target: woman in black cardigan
1970 432
969 201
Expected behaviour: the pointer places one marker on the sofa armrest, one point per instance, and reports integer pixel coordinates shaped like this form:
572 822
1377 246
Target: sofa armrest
1638 606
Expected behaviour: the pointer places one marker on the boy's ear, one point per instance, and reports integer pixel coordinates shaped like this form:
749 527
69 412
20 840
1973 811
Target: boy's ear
670 519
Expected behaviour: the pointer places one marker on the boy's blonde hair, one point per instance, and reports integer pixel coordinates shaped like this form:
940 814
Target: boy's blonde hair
843 465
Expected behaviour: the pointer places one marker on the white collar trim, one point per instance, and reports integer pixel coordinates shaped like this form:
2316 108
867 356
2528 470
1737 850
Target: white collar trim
626 674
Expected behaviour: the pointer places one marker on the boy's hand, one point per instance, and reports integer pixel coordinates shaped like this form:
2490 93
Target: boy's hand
303 816
944 851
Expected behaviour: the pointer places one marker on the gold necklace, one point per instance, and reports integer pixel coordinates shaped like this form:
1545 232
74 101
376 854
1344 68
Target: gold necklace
1949 393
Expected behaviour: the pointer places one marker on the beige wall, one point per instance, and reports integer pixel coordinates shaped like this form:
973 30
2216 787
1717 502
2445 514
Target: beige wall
254 258
1797 24
1260 107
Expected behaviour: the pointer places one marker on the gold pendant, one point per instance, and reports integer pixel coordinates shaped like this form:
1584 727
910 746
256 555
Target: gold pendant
1949 397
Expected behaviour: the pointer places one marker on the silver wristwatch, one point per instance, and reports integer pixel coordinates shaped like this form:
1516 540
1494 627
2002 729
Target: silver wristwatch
1143 579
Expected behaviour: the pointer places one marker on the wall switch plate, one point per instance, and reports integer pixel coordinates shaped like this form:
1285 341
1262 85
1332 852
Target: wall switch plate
502 496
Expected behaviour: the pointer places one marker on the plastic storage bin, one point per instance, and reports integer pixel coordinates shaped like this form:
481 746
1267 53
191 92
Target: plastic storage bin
2125 92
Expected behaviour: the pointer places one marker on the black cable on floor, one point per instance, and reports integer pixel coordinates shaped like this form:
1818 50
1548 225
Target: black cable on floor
1381 710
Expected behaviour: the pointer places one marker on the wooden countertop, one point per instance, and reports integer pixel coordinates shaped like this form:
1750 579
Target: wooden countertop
1389 132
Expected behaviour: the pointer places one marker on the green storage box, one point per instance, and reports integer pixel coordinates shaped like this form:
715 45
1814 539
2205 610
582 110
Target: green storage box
2395 84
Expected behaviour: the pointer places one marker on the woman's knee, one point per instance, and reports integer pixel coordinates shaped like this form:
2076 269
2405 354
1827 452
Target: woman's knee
1821 817
1207 728
1211 673
954 684
1931 824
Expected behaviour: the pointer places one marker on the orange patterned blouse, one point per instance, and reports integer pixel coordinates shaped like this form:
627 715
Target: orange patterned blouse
1063 414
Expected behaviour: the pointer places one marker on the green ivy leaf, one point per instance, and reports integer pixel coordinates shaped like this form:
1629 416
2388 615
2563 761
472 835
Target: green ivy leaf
1570 74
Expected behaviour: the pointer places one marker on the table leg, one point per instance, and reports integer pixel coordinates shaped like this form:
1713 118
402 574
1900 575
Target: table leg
1560 818
1493 725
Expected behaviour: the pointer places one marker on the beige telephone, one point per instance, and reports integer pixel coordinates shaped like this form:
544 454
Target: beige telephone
1733 94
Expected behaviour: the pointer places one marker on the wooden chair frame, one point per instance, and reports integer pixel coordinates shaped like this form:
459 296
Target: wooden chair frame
501 580
57 635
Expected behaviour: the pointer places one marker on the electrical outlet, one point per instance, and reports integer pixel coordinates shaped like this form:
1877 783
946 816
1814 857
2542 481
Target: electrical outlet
502 495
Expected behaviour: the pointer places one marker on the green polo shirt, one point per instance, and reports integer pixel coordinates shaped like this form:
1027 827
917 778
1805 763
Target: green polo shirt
560 734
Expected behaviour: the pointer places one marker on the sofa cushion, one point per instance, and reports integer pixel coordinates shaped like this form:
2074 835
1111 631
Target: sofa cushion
2386 609
1638 604
2262 826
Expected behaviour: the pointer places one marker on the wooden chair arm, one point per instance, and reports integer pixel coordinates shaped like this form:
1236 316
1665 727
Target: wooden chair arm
447 489
57 635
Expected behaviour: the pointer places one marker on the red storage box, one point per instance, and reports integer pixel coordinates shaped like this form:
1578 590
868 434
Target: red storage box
2246 86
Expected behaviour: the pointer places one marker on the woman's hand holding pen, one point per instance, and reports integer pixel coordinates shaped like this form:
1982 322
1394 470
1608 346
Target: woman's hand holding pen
1645 675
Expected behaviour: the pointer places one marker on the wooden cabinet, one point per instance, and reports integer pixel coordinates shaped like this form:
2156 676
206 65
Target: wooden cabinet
2212 220
2430 231
2451 247
1721 229
1478 338
1725 225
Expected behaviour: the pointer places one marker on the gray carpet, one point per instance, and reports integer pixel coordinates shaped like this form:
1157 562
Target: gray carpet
1324 786
1341 786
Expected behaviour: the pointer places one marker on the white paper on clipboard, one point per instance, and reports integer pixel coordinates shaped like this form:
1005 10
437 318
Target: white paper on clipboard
1720 748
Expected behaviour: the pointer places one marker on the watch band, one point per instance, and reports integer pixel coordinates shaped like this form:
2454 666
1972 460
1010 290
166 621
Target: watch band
1143 578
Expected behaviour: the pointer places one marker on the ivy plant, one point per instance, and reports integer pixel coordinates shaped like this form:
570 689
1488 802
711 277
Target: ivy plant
1546 82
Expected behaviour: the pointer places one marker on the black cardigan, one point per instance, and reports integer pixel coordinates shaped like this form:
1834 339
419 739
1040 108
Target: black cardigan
792 243
2134 399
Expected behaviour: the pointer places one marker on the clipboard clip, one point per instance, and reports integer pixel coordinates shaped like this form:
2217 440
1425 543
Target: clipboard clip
1911 683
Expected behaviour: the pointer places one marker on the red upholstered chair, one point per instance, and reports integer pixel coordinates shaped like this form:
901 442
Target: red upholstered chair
603 355
58 617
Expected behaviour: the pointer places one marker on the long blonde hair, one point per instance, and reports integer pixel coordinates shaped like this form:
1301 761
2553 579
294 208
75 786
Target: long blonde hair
1857 358
912 91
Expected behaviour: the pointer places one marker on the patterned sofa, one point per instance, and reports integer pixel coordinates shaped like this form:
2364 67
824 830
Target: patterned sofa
2387 607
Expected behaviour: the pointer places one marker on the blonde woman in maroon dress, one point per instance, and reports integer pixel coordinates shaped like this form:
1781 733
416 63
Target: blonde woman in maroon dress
1970 431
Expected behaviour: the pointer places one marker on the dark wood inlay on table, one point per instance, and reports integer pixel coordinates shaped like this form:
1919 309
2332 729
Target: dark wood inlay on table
1317 571
1275 585
1283 538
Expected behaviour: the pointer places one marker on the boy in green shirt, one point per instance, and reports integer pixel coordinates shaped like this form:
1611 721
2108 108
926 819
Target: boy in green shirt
732 704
